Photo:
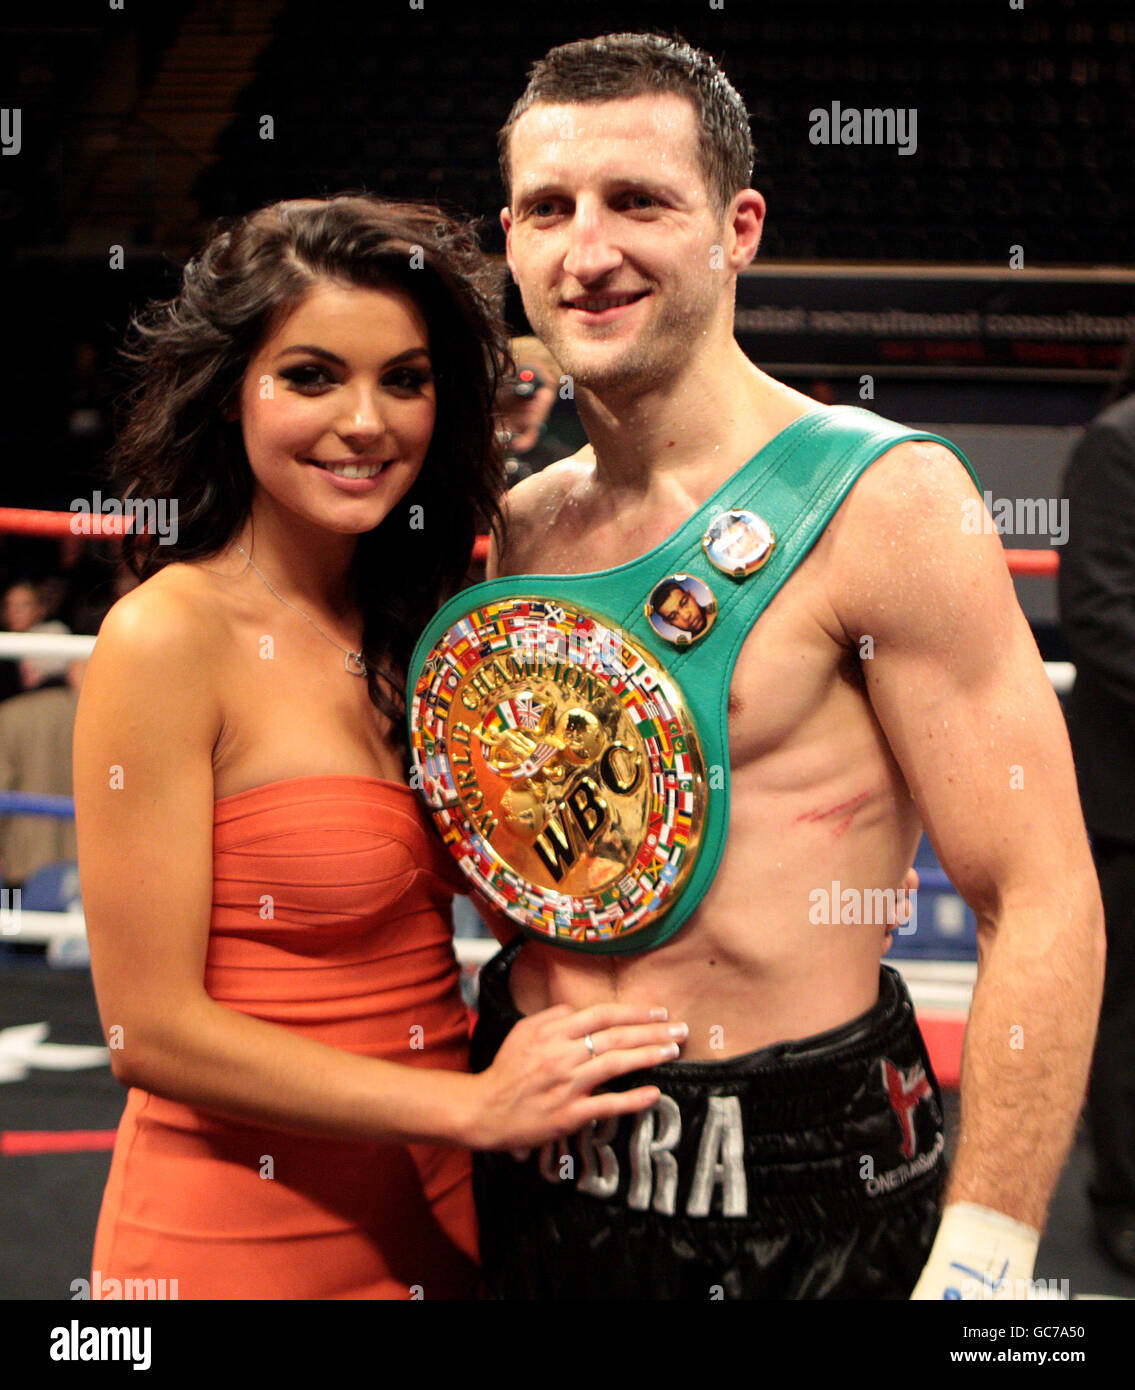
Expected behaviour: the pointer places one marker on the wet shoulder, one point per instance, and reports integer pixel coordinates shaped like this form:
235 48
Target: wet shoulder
537 505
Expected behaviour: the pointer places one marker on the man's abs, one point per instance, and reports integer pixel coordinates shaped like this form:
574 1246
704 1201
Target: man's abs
785 944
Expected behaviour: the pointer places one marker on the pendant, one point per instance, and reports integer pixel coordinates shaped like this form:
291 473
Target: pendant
355 664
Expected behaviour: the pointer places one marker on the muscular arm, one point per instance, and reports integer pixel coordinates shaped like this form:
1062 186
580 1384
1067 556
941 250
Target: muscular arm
960 692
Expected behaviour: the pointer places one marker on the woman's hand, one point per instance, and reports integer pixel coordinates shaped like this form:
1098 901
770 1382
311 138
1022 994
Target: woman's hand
538 1087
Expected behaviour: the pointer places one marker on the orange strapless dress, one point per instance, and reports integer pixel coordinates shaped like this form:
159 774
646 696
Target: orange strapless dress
330 918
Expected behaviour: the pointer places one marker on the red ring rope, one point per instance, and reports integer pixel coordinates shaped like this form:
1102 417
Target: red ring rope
25 522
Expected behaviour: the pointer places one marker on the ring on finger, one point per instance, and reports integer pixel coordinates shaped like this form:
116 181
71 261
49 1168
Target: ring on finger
590 1045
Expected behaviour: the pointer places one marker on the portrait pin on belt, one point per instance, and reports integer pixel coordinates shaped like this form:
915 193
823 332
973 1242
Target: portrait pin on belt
738 542
681 609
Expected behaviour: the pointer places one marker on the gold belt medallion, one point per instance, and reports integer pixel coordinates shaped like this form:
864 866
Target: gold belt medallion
561 767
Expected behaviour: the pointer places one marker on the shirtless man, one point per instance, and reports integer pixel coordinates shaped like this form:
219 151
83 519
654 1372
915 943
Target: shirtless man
626 166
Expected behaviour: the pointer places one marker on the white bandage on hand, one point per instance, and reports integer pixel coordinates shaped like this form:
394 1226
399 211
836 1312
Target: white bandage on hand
979 1253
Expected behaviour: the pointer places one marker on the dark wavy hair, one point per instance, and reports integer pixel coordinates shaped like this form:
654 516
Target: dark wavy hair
188 357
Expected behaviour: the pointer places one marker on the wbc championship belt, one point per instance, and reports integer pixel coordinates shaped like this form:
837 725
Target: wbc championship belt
569 732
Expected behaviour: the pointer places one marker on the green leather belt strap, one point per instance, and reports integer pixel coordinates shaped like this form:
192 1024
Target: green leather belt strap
795 483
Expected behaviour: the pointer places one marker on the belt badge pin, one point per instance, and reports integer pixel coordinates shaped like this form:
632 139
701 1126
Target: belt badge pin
738 542
681 609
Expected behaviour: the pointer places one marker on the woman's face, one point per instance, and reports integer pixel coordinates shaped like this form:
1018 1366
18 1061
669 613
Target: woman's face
337 406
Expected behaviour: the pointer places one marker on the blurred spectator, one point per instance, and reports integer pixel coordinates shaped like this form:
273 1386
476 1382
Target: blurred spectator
35 756
39 671
524 403
20 609
23 606
1097 608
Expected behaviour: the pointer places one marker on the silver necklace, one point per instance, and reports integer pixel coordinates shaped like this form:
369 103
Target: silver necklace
353 661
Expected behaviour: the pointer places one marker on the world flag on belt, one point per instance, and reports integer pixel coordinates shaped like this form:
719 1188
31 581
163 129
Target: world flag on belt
541 754
492 677
521 712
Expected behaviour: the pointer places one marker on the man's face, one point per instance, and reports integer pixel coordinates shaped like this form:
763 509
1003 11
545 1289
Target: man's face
682 610
611 237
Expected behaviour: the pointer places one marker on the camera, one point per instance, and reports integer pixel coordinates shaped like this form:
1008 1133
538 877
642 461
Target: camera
526 383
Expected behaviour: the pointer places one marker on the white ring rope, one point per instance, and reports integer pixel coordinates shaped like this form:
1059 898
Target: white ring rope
43 927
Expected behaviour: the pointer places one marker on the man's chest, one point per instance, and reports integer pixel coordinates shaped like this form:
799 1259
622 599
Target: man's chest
794 660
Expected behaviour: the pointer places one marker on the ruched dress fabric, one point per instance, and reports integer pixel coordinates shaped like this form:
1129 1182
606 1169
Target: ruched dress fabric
331 918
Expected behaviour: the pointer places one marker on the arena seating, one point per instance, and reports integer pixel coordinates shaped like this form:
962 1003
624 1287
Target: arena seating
1019 115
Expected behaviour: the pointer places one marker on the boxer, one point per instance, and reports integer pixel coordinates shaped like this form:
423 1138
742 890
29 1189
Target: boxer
856 671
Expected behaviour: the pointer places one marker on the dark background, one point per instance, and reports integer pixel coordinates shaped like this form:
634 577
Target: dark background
141 125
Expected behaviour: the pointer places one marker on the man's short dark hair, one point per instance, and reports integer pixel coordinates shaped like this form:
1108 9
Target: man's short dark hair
615 66
664 590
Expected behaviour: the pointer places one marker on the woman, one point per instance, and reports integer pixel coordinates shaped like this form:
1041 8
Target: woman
268 910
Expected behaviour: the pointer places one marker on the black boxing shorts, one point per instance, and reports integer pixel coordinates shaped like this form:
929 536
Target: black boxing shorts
808 1169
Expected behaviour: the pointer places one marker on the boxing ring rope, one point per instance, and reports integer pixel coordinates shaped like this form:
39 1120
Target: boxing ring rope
14 645
35 804
26 521
940 988
1032 562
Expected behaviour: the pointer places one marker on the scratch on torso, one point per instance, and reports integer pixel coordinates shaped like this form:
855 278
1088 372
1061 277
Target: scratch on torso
843 811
